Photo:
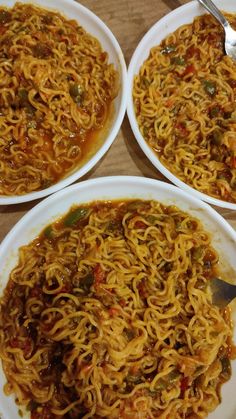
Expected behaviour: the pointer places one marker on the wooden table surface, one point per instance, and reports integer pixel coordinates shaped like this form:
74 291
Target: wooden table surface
129 20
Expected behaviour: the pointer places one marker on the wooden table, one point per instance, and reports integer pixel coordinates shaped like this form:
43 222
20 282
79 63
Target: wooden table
129 20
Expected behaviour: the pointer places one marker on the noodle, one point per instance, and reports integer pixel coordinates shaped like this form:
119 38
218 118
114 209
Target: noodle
184 98
56 91
108 314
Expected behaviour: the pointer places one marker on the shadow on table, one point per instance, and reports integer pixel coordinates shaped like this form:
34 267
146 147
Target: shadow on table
23 207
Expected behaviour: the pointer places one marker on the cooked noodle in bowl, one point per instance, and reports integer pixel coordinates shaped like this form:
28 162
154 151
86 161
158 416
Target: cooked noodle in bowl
62 96
106 308
181 102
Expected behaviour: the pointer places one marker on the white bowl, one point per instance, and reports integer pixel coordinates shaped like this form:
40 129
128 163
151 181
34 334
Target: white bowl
94 25
121 187
168 24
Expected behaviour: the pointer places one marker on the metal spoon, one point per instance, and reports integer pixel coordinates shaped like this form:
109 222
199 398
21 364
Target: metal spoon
222 292
230 33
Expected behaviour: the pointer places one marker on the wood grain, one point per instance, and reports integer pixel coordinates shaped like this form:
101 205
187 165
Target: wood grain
129 20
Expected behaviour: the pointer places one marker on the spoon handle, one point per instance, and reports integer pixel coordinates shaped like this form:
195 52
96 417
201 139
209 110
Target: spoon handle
211 8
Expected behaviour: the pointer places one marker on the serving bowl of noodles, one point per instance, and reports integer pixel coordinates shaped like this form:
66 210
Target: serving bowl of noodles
181 102
62 96
106 309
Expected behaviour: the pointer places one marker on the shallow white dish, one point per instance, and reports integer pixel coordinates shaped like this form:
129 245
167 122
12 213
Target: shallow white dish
94 25
120 187
168 24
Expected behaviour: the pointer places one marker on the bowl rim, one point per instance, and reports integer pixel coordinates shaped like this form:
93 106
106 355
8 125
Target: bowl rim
133 64
116 123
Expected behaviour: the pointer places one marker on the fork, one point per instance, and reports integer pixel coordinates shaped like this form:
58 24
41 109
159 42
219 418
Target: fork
230 33
222 292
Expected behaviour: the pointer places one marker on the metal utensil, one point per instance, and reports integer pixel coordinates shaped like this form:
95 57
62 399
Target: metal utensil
222 292
230 33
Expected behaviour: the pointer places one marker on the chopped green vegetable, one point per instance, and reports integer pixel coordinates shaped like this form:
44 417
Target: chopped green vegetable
168 266
75 215
227 114
32 124
86 282
48 232
152 393
23 101
201 285
129 333
161 384
77 93
173 376
5 16
47 19
135 379
178 226
151 219
214 111
216 137
209 87
114 225
164 382
178 60
46 183
226 367
168 49
145 82
197 253
23 97
145 131
134 205
32 405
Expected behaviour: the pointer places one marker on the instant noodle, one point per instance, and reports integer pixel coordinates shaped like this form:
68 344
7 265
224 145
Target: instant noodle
109 314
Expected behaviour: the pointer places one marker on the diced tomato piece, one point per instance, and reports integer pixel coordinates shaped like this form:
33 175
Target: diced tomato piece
122 302
2 30
140 224
99 275
14 342
113 311
184 383
193 52
181 128
142 290
103 56
134 370
233 162
73 38
188 70
232 83
169 103
24 344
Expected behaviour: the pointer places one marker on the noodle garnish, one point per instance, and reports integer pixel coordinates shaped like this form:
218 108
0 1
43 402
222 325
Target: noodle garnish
56 93
108 313
184 99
